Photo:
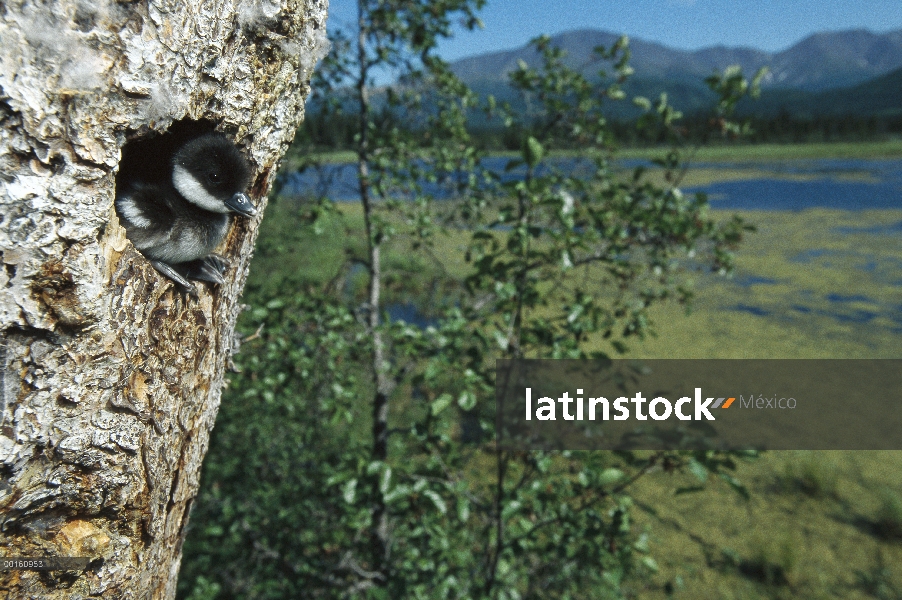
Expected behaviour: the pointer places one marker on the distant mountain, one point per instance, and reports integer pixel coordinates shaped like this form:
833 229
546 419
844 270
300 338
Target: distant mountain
648 58
819 62
844 72
837 59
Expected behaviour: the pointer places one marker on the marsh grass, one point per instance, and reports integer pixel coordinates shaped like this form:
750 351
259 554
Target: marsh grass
877 581
888 523
891 148
773 560
811 474
743 153
809 284
803 289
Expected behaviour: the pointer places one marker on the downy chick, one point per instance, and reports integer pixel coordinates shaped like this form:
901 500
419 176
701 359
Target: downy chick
176 223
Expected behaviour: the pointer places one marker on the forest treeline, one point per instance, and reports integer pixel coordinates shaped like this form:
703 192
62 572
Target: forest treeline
330 132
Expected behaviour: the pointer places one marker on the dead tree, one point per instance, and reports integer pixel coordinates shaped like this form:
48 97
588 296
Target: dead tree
110 376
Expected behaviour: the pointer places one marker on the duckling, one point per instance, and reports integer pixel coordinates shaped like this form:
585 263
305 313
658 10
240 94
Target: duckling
177 222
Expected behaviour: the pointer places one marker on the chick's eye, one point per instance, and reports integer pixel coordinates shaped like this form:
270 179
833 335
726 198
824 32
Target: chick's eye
214 177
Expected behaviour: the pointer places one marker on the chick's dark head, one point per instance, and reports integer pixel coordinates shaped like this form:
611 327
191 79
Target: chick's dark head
210 172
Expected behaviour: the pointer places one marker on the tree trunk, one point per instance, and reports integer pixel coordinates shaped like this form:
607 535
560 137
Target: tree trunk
110 377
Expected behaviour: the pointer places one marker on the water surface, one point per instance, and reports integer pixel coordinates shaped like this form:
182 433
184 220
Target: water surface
844 184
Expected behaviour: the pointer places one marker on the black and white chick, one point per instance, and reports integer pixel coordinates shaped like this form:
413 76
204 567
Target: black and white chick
176 222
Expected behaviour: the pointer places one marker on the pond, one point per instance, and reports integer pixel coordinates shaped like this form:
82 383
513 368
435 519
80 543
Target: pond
845 184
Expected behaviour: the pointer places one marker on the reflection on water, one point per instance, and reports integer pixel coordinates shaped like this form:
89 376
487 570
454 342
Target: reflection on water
777 194
853 316
891 229
844 184
884 269
841 298
755 310
410 314
746 280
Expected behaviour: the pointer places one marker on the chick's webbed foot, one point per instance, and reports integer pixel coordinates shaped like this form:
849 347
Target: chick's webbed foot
211 269
179 278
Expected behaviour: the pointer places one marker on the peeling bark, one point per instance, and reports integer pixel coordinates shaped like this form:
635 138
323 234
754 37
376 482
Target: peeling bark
110 377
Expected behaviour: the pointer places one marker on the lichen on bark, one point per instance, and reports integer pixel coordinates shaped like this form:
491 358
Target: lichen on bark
109 376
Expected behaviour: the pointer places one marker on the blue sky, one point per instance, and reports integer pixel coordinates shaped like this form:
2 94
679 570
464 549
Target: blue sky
687 24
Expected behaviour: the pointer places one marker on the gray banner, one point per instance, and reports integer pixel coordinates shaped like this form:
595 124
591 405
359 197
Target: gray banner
803 404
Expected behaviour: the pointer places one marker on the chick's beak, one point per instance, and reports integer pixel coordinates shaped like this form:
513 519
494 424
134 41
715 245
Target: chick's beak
241 204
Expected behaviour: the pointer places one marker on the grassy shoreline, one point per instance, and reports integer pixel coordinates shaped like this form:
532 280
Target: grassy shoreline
752 153
778 152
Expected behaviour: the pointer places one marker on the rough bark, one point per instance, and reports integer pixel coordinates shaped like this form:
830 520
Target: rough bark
110 377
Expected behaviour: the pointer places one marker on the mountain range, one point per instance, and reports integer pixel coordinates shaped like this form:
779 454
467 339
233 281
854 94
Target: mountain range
855 71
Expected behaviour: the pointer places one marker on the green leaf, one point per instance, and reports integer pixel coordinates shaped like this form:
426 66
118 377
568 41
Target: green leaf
467 400
437 500
385 481
349 491
650 563
609 476
463 509
532 151
698 469
501 338
441 403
